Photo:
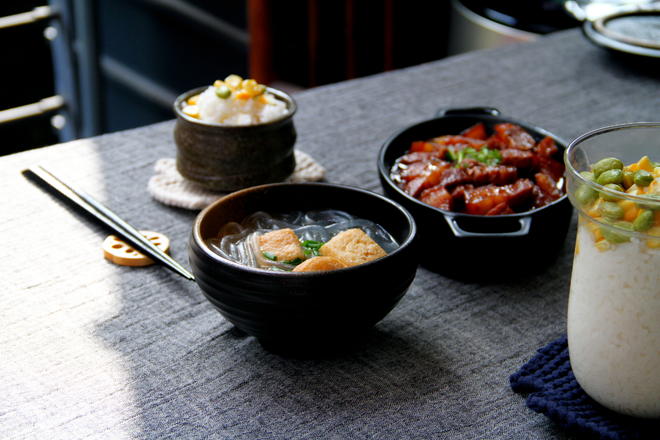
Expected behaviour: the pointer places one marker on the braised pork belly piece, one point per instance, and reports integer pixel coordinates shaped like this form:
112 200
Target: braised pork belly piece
473 172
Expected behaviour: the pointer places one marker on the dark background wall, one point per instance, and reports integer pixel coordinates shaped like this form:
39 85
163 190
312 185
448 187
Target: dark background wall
164 47
26 76
146 52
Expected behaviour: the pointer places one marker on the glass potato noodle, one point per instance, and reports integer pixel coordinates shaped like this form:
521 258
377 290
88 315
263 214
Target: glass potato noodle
303 241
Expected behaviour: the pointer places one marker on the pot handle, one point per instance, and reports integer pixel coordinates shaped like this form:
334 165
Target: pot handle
490 111
525 225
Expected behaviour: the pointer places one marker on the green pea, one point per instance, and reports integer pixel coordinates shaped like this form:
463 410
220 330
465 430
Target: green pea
611 210
610 176
628 179
642 178
588 175
614 236
643 221
608 163
223 92
585 195
613 187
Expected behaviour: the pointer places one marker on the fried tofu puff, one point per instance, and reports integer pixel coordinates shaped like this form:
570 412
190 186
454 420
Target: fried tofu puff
319 264
281 245
352 247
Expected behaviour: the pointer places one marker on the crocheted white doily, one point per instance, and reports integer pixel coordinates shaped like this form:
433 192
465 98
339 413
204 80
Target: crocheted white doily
171 188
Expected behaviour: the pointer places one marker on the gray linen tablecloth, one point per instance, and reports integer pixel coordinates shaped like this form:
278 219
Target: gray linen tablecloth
93 350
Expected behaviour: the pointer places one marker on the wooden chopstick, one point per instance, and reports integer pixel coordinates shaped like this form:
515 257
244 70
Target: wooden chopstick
107 217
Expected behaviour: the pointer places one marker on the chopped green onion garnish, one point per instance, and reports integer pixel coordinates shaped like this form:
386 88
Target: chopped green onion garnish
271 256
312 244
484 155
311 247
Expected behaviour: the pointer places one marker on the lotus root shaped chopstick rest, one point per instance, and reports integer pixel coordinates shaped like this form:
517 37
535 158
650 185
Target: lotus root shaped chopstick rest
122 253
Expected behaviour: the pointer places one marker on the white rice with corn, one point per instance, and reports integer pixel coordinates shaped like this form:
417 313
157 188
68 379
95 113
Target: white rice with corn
235 101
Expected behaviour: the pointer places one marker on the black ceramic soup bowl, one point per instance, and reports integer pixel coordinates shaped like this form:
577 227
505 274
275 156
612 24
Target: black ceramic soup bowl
299 310
469 246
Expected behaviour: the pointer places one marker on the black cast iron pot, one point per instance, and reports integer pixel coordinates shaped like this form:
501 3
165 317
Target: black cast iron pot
469 246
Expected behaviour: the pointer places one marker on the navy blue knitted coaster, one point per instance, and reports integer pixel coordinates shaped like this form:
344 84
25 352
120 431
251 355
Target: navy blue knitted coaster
553 391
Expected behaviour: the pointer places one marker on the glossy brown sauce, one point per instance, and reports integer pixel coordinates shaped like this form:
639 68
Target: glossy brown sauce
504 172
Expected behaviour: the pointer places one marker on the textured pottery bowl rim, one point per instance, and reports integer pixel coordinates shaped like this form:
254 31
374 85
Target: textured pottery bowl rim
196 233
291 107
385 172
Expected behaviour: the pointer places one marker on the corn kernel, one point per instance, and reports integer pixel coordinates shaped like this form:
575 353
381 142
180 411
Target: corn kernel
645 164
598 234
218 83
243 95
192 100
594 211
191 110
233 81
630 215
248 85
626 204
595 231
630 210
